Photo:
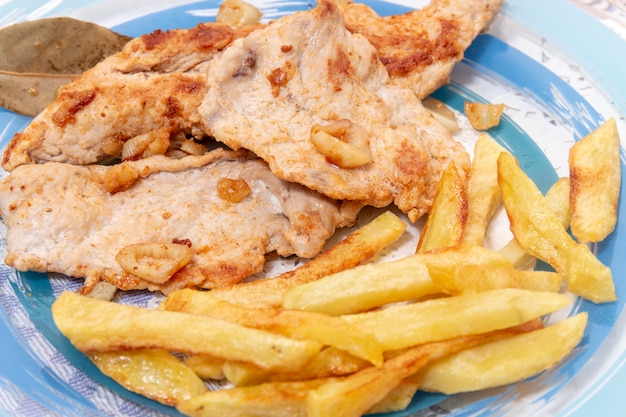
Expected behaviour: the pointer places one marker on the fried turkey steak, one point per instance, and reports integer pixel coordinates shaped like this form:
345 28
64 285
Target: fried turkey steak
269 89
420 48
157 82
153 86
172 200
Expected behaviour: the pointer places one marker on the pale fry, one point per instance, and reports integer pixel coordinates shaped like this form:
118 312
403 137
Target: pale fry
363 288
358 247
471 269
243 374
206 366
102 326
154 373
504 361
354 395
327 330
446 221
443 264
374 285
483 193
557 198
595 172
539 231
397 399
272 399
473 278
401 326
330 362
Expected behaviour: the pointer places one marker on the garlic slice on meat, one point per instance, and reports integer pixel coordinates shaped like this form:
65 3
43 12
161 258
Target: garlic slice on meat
153 262
120 177
343 143
238 13
155 142
442 113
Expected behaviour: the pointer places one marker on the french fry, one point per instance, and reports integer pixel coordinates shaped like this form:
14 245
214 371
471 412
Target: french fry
363 288
446 221
206 366
304 325
354 395
504 361
358 247
472 278
330 362
595 172
471 269
243 374
483 193
402 326
397 399
557 198
154 373
373 285
539 231
272 399
102 326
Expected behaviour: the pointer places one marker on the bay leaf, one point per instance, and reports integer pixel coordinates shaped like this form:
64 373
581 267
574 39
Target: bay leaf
39 56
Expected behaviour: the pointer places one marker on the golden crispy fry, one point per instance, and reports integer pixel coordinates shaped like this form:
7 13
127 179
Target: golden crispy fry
397 399
272 399
101 326
483 193
358 247
154 373
374 285
330 362
446 221
401 326
483 116
328 330
206 366
363 288
539 231
557 198
504 361
595 172
354 395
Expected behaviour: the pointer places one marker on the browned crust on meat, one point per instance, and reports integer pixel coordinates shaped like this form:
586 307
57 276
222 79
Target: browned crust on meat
73 102
170 95
339 68
418 52
410 44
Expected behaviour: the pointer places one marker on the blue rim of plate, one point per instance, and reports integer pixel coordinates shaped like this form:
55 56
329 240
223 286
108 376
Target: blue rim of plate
487 54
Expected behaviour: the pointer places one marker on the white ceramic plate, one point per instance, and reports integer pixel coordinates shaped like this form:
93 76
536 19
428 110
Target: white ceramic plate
558 84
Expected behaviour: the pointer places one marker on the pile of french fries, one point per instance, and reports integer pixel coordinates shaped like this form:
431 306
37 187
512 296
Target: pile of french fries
343 336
